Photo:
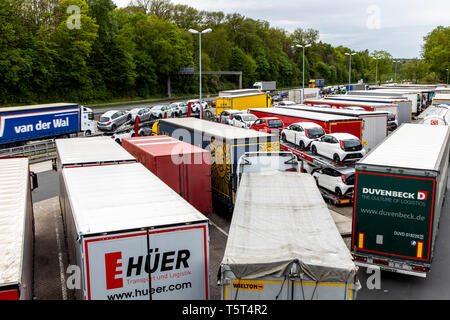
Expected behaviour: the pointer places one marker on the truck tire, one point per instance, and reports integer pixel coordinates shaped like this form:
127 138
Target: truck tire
87 133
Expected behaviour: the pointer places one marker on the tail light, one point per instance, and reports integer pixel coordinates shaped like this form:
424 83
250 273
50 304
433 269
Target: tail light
292 169
419 269
307 133
342 145
109 122
360 259
230 116
383 262
113 137
343 178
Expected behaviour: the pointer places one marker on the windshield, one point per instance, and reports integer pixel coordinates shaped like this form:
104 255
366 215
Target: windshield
351 143
315 132
103 119
249 117
274 124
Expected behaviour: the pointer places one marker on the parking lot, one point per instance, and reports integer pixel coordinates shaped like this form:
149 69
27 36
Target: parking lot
51 254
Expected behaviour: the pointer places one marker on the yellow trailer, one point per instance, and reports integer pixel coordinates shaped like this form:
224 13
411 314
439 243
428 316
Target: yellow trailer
243 102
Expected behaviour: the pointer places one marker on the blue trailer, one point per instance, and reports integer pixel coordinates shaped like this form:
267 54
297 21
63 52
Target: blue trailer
26 123
226 144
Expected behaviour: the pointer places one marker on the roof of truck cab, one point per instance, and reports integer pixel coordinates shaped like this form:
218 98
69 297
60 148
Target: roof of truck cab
13 205
75 151
412 146
123 197
216 129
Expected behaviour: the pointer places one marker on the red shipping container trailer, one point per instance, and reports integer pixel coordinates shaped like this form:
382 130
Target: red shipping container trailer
330 123
183 167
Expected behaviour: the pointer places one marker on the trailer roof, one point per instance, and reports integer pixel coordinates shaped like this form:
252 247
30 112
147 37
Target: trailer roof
304 114
13 205
217 129
123 197
90 150
37 106
164 146
412 146
347 112
372 98
348 102
280 219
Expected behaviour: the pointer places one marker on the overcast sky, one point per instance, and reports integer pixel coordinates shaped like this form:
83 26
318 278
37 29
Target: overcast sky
397 26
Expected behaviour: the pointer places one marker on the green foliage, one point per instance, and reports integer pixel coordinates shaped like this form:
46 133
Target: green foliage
130 52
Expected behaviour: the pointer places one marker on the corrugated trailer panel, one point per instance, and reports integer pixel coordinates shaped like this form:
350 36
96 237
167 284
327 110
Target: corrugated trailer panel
182 166
16 230
226 145
133 237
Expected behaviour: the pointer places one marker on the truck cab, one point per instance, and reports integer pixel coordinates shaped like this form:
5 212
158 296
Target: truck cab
87 121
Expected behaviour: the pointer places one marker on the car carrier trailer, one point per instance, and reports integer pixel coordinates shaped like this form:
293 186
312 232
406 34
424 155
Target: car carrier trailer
311 162
400 187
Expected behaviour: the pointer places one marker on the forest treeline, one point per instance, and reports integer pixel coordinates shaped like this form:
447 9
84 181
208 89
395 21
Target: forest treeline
90 50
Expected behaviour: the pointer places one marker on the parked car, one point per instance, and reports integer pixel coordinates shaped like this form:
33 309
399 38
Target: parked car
243 120
302 134
392 122
144 114
338 146
111 120
120 134
225 116
341 181
159 111
268 124
179 108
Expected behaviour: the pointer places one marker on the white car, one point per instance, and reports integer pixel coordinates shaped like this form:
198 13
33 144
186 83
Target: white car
243 120
302 134
338 146
195 105
144 114
158 112
179 108
119 135
339 181
225 116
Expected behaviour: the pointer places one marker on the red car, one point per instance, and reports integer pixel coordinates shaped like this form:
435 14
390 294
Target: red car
268 124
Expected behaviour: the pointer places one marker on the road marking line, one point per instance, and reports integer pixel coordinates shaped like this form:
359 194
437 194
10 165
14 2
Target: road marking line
61 264
218 228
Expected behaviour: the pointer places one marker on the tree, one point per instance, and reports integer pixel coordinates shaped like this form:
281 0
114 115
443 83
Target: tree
436 51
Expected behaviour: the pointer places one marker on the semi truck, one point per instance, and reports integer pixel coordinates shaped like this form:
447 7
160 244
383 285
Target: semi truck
411 96
265 86
369 106
404 105
226 145
242 101
26 123
133 237
276 251
16 229
295 95
330 123
375 123
400 188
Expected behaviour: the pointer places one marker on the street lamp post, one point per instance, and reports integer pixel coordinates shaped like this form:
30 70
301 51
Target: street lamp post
350 68
303 72
395 70
447 77
200 62
376 71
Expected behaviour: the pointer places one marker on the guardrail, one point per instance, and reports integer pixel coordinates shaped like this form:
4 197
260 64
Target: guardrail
37 151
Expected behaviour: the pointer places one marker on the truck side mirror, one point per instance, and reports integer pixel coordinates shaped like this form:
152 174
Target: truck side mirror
54 167
34 181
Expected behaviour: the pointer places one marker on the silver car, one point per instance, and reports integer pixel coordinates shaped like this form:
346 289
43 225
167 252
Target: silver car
111 120
144 114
